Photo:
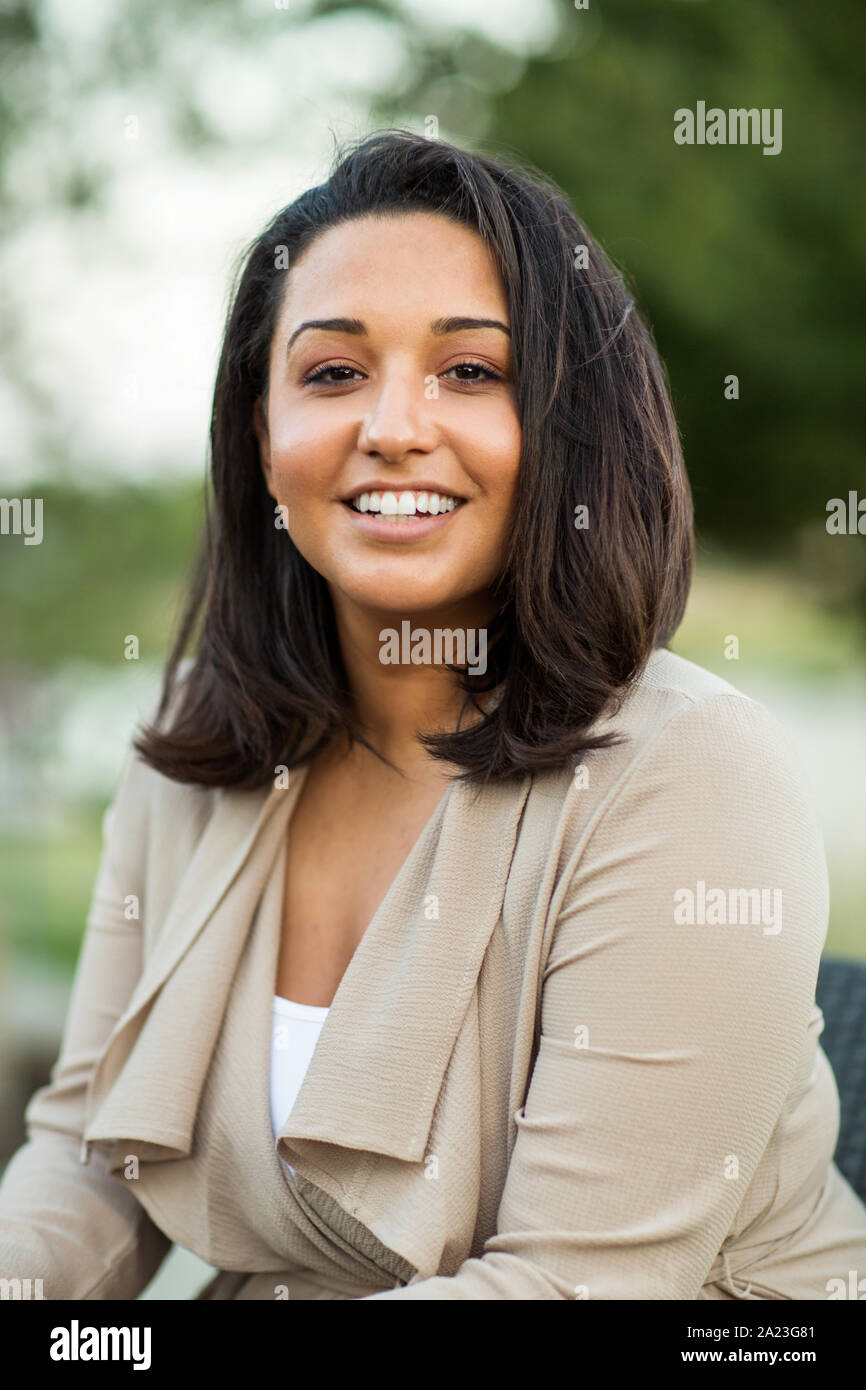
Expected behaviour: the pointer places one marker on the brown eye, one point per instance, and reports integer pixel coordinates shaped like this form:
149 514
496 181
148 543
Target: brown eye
475 367
323 372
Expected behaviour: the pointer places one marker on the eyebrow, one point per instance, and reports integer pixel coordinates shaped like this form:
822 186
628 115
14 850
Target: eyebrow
454 324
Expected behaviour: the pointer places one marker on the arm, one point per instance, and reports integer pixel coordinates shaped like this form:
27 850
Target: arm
75 1226
634 1152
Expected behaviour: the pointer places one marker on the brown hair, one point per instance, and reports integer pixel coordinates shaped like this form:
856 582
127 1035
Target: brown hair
580 609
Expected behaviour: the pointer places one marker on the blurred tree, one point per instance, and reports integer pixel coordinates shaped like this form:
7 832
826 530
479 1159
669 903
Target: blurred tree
746 264
116 564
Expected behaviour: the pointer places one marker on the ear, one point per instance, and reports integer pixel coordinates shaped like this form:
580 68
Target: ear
261 429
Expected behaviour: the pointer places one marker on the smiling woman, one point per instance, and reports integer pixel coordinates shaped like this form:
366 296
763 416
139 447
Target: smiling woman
418 325
405 1007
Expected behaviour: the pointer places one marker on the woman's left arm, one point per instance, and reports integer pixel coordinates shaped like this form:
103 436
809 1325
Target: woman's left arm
676 995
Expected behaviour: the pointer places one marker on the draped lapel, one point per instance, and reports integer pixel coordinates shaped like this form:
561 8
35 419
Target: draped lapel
376 1073
240 821
147 1080
378 1067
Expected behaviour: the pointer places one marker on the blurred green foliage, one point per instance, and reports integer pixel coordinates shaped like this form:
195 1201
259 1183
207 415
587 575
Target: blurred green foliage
112 562
744 263
47 888
784 625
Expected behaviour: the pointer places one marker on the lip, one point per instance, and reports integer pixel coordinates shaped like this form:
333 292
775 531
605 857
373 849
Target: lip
414 528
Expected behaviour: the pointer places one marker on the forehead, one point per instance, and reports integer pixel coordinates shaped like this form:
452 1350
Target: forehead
395 264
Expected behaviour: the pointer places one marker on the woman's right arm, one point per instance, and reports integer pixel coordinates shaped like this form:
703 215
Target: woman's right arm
75 1226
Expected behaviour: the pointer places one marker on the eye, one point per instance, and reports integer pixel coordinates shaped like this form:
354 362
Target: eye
475 367
322 373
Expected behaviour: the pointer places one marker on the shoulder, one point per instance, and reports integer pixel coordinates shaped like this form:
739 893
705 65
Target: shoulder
695 715
701 766
673 689
684 723
708 789
681 733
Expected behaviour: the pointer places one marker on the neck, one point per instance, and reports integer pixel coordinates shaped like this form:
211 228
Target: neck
394 698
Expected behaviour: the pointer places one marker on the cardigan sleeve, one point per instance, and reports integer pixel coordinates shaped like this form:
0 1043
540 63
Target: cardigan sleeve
675 1000
75 1226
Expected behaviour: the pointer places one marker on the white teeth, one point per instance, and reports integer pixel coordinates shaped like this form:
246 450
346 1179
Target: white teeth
404 504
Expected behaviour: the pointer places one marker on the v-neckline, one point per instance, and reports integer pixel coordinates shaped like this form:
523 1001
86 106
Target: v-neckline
272 905
280 868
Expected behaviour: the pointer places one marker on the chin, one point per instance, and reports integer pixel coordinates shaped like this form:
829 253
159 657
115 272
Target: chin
399 600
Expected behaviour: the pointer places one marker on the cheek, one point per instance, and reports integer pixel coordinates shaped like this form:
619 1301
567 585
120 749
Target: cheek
302 460
498 464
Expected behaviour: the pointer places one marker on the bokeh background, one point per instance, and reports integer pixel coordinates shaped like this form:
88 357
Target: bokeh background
141 149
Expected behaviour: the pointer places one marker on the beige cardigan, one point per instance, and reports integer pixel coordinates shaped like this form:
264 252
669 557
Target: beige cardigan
537 1080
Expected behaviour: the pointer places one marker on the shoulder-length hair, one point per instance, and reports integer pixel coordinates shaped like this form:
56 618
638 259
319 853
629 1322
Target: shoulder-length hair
583 597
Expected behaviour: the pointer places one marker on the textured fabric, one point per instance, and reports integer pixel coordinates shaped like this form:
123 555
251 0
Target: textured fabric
537 1079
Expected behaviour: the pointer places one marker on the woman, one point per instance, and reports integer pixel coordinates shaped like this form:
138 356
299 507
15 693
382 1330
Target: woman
452 938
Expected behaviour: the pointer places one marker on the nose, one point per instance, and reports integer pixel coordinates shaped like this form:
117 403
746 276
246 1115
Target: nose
399 419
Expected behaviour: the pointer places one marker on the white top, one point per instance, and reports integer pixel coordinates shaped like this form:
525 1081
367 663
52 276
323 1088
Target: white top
294 1033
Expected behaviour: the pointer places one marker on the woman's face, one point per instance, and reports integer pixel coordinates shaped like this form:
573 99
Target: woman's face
392 435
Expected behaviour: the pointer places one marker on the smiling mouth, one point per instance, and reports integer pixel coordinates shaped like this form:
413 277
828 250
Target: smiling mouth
402 506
